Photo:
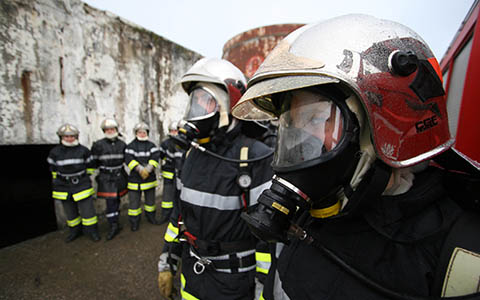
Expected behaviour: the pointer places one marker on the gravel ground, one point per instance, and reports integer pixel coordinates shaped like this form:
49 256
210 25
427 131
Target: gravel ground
48 268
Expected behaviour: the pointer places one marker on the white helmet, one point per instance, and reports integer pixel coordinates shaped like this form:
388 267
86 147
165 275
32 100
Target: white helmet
109 123
67 129
141 125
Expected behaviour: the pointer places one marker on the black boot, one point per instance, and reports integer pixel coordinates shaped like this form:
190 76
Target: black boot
134 223
151 218
93 232
75 232
166 212
114 230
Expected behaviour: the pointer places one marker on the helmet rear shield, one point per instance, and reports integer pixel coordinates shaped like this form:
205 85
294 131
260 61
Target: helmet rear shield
311 126
202 105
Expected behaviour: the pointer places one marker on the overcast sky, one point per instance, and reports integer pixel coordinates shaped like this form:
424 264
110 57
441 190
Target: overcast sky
205 26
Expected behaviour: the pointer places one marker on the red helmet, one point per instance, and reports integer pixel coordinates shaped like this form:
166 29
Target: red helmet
387 66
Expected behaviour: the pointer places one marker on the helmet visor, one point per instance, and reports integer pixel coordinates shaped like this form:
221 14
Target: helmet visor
310 126
202 105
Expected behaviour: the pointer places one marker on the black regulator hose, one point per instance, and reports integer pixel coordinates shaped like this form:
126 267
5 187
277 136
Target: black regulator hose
232 160
375 285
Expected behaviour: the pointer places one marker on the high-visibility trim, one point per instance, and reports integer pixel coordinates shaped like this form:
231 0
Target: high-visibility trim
240 254
142 153
326 212
210 200
185 295
135 212
90 221
154 163
261 296
132 164
150 208
167 175
113 214
148 185
243 156
264 261
171 234
83 194
132 186
108 156
166 204
90 171
204 140
59 195
54 175
256 191
70 161
74 222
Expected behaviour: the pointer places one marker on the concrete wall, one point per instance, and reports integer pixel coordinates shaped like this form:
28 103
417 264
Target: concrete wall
64 61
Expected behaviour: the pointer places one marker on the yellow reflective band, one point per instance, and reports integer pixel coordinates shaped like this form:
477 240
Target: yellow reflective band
280 207
261 270
171 234
150 208
74 222
167 175
148 185
83 194
135 212
133 164
132 186
54 175
90 171
262 256
167 204
243 156
261 296
89 221
326 212
185 295
204 140
153 163
60 195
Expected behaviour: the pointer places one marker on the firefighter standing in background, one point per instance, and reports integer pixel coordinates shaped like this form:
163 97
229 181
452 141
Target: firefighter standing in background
108 155
141 157
361 109
171 155
71 165
217 249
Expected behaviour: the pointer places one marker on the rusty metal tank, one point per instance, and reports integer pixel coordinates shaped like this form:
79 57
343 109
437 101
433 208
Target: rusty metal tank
248 49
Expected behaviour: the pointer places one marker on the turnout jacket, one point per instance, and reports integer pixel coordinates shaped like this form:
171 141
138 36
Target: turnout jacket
171 156
71 167
141 153
108 156
397 242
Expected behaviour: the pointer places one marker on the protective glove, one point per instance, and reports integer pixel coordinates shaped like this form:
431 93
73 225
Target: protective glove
149 168
144 173
139 169
165 283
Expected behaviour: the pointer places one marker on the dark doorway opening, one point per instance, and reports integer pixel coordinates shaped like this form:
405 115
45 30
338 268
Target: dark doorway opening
26 200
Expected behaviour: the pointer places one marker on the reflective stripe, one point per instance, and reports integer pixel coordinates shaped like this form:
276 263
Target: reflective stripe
168 204
113 214
228 256
90 221
83 194
171 233
261 296
153 163
148 185
167 175
111 168
132 186
74 222
54 175
135 212
185 295
209 200
142 154
70 161
256 191
133 164
90 171
150 208
264 261
60 195
108 156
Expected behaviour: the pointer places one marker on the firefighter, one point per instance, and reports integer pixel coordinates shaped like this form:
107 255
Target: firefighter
361 111
108 155
216 247
141 157
171 155
71 165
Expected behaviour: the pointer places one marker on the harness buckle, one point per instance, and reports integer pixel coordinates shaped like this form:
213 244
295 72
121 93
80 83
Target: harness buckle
201 263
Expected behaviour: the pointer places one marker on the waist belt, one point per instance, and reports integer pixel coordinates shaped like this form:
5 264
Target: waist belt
73 178
115 169
239 262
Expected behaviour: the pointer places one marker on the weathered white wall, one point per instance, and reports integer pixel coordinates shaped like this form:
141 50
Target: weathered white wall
64 61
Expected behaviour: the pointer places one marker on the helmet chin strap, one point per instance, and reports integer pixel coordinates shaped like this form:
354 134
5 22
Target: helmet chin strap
111 136
72 144
142 138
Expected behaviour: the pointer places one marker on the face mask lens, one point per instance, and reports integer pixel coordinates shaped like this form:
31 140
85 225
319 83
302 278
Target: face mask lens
311 125
202 105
